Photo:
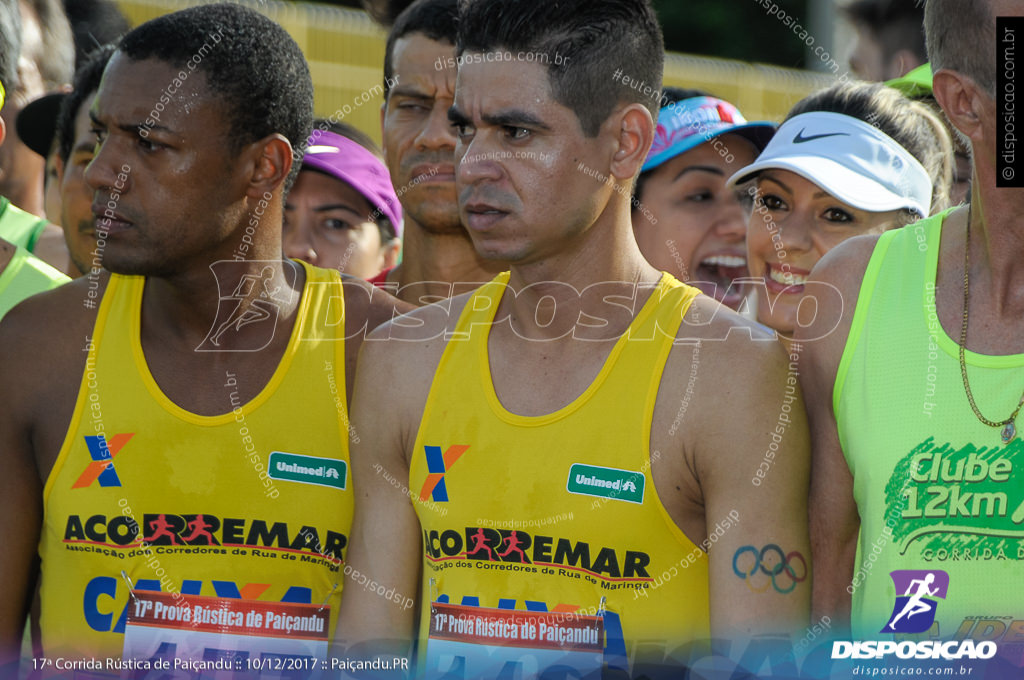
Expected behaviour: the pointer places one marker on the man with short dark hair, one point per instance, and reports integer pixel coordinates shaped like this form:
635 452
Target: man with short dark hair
915 397
890 37
551 450
438 259
203 451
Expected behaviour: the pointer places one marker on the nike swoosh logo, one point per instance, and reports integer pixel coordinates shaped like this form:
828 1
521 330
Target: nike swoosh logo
800 139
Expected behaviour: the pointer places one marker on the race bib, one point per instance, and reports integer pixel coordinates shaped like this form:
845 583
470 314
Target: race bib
169 635
478 642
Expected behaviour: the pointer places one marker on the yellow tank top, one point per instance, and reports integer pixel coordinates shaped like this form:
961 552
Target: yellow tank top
255 503
557 512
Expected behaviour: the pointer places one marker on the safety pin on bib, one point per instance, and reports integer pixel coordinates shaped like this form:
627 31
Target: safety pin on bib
131 586
327 599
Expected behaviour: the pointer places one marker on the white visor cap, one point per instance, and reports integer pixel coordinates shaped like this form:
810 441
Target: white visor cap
850 159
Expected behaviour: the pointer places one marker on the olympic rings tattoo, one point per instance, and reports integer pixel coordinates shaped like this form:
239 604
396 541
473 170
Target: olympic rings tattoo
783 566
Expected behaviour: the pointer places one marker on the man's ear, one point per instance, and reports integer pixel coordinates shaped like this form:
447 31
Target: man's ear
960 99
383 137
272 165
3 131
634 135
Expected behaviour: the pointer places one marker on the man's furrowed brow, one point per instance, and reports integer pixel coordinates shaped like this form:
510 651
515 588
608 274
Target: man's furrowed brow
410 92
135 127
515 118
128 127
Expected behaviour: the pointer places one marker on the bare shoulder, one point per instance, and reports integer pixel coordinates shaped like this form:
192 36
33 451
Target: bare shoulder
399 359
43 342
843 268
732 373
732 344
725 369
415 340
840 272
845 264
51 325
725 383
834 287
367 306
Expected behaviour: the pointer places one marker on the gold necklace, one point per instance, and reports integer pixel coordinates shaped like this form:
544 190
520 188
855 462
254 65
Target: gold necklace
1009 428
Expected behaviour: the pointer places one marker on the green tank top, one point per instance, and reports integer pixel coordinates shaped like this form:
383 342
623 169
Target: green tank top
24 276
935 488
19 227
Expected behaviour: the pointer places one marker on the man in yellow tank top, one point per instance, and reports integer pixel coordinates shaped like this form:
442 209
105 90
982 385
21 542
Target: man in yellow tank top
197 472
576 468
914 398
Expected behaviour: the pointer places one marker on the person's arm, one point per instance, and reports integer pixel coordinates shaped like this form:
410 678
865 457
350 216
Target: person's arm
385 554
753 465
366 308
384 547
834 520
20 491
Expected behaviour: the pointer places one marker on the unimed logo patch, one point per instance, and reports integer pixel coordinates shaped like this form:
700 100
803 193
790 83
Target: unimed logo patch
292 467
603 482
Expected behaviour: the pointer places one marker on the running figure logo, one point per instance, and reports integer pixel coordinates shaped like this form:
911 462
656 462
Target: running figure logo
246 299
160 528
513 543
480 543
200 529
914 611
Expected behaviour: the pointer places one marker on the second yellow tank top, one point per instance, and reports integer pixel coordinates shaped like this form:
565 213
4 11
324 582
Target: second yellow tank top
557 512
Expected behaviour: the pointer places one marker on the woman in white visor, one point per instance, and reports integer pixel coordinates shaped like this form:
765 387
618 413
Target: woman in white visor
853 159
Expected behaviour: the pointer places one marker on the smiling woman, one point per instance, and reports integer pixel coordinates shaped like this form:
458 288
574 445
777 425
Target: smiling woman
853 159
686 221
